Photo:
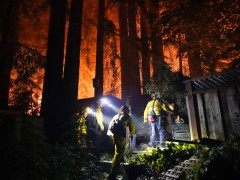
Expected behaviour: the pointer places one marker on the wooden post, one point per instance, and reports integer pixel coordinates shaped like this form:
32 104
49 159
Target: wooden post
191 112
234 112
214 117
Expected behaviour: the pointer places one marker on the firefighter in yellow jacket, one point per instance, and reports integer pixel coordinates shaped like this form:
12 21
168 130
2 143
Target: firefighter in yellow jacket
117 131
156 114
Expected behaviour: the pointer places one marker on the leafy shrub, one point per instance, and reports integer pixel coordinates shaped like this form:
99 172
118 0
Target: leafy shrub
161 160
220 162
168 85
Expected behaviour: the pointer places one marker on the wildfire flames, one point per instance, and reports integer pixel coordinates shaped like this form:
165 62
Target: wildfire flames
33 32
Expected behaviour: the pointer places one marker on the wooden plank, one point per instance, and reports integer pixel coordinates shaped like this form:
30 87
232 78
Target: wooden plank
225 113
202 119
214 118
191 112
234 112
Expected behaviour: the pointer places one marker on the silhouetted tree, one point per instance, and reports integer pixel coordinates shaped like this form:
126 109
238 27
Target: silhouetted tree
134 88
52 99
3 14
8 46
144 46
155 34
210 31
71 70
124 48
100 46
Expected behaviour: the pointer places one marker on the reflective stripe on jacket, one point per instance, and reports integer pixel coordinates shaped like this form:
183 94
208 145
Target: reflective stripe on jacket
99 117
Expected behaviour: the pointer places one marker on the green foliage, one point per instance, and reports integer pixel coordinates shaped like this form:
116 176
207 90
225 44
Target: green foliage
80 127
161 160
220 162
168 85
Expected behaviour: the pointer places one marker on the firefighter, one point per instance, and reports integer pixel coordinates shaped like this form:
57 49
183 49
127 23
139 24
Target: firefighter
100 138
100 116
117 131
155 113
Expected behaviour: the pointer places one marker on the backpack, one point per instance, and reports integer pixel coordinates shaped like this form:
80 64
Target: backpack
118 126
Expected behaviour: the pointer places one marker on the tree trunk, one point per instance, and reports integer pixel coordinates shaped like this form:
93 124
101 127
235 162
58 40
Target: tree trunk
134 85
180 63
144 48
194 62
123 24
194 59
8 47
4 6
180 60
71 70
98 85
52 90
156 39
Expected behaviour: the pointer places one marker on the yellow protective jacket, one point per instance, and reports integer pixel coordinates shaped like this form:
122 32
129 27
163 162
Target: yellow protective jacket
99 118
157 106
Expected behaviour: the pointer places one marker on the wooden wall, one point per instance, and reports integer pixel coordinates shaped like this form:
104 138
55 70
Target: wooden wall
213 114
232 95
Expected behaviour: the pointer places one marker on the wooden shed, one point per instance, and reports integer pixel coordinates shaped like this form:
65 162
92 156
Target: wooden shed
213 104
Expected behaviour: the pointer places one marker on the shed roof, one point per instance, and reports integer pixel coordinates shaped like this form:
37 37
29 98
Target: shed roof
221 80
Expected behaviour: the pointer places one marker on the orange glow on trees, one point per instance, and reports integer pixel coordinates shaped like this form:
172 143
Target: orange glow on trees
216 42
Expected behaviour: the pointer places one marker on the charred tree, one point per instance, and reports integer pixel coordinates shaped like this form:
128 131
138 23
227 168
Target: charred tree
3 14
144 46
134 88
72 63
8 48
194 59
123 24
98 84
155 35
52 90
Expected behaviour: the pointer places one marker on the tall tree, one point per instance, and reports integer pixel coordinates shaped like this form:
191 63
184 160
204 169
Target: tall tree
124 48
71 70
194 60
52 90
8 47
210 29
155 34
144 46
180 58
3 14
100 46
134 87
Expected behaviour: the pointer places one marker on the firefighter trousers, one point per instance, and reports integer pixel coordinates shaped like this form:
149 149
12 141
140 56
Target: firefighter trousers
118 157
